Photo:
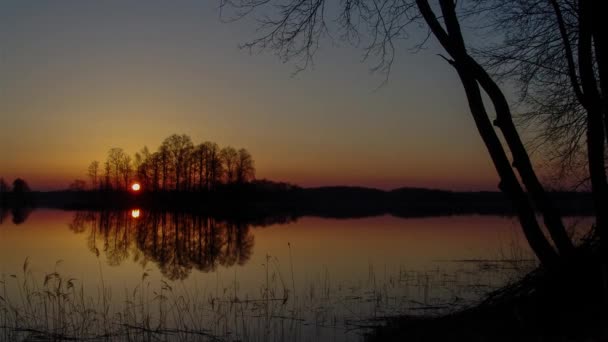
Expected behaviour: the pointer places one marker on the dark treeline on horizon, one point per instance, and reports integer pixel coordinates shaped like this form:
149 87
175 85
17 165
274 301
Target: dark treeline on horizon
16 196
182 176
233 192
260 200
177 165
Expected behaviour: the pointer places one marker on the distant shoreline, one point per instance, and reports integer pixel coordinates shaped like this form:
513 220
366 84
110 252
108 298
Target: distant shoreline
337 201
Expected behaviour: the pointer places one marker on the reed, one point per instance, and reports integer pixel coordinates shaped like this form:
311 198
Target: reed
58 307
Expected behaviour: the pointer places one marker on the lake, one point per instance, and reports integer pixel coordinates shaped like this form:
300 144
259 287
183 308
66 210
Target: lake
184 276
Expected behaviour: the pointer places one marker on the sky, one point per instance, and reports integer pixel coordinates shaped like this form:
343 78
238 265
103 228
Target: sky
80 77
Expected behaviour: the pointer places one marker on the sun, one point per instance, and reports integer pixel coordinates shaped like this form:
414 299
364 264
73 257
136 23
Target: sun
135 187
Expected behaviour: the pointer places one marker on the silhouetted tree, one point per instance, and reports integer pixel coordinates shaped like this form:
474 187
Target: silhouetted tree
245 169
177 165
213 168
556 49
164 161
297 27
107 183
541 49
20 193
93 173
156 171
116 157
230 158
126 170
143 167
200 154
20 186
178 148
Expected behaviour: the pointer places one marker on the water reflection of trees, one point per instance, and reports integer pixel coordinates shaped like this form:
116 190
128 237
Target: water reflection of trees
19 214
3 214
176 242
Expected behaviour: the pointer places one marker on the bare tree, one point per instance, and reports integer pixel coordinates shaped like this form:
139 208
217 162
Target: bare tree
93 172
200 154
164 162
20 186
213 169
156 170
294 29
229 157
107 176
545 55
245 169
143 161
177 165
116 157
126 170
178 148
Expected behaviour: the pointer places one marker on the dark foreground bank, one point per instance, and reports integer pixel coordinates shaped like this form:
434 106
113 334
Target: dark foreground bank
564 305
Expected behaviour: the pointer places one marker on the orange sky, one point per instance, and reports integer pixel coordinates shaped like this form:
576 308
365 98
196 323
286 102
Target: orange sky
80 78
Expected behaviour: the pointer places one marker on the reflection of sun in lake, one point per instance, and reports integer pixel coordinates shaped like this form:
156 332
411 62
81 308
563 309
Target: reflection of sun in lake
135 187
135 213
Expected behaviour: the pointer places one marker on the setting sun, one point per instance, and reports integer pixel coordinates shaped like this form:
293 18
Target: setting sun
135 187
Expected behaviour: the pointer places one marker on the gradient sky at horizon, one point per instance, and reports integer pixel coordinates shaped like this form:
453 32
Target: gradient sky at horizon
80 77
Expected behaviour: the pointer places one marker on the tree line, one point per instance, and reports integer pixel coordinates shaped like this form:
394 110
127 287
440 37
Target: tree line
552 51
17 195
177 165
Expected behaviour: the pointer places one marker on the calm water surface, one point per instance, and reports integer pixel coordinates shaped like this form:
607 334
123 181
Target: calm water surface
314 276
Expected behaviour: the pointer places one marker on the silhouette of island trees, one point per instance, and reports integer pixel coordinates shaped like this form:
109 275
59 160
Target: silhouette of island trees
20 187
554 52
178 165
176 242
21 196
16 200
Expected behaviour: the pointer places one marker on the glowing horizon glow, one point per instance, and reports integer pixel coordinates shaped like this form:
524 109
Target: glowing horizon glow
135 213
136 187
59 78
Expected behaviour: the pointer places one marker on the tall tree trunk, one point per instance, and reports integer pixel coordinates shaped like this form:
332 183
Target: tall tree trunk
454 44
509 183
521 161
595 127
504 120
600 44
